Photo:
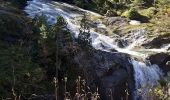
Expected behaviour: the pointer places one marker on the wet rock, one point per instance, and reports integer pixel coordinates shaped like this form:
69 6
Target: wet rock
119 75
96 23
168 63
158 58
135 36
157 42
161 59
111 13
121 43
101 30
116 21
169 48
116 79
106 71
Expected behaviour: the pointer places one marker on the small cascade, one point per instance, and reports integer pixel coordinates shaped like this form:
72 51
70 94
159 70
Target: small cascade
146 77
166 47
135 38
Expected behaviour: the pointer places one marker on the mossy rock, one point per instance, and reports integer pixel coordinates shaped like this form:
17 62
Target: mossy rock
134 15
131 14
151 12
138 2
146 3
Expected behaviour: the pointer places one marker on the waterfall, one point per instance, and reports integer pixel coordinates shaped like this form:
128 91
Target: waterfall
145 75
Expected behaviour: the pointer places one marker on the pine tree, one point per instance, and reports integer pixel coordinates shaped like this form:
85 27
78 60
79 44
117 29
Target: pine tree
84 36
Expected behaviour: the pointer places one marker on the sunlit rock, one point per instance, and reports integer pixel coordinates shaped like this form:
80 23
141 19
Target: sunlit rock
134 22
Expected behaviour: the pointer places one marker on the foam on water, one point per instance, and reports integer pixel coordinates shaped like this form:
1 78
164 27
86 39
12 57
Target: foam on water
146 77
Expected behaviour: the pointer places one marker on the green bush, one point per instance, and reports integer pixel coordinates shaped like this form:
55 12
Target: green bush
119 13
162 2
151 12
143 2
134 15
79 3
138 2
131 14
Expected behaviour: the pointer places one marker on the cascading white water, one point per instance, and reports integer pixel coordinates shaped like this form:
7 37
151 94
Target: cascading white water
144 75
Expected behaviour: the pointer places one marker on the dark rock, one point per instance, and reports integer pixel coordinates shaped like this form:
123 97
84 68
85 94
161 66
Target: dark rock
107 71
121 43
162 60
101 30
158 58
168 63
116 21
157 42
111 13
116 79
113 50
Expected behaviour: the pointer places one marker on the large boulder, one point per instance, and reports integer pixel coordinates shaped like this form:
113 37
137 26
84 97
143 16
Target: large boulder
161 59
157 42
110 72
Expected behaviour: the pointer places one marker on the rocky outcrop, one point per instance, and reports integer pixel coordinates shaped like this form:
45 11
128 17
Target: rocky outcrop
112 73
161 59
116 21
157 42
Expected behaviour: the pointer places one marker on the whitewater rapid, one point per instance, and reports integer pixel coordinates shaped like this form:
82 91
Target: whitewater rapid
145 74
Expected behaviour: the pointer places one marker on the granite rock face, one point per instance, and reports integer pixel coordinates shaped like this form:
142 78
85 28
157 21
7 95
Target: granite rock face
112 73
161 59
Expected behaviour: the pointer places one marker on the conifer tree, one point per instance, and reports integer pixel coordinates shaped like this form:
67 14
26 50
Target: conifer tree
84 36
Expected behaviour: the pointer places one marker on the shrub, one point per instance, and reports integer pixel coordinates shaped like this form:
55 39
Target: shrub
151 12
161 92
138 2
119 13
79 3
162 2
144 2
131 14
134 15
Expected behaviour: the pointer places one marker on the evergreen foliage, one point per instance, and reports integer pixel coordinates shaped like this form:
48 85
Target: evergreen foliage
84 36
